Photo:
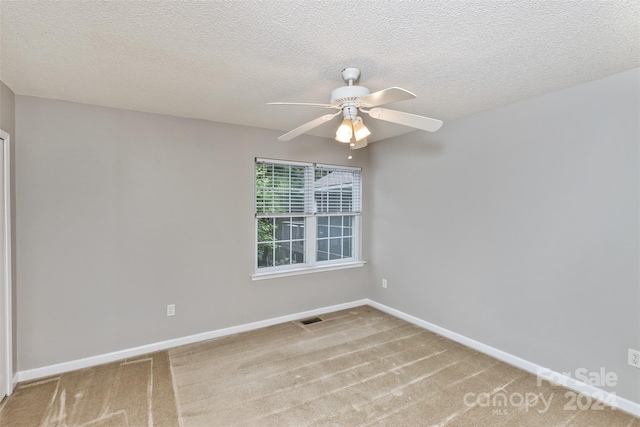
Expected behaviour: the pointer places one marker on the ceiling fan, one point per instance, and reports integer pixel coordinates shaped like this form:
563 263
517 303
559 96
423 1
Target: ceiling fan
349 100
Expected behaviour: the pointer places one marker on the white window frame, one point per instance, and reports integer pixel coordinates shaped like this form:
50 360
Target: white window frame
311 265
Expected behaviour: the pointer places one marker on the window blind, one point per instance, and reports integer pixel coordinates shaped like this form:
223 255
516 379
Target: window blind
337 190
304 189
283 189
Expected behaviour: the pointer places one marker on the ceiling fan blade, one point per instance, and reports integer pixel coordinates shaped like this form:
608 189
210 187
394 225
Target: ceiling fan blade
307 126
406 119
307 104
358 144
385 96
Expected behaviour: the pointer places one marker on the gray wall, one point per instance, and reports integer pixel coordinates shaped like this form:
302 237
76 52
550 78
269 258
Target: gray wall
120 213
7 109
7 124
518 227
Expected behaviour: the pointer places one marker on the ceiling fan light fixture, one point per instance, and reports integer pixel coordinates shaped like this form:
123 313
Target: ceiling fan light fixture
359 129
350 99
344 132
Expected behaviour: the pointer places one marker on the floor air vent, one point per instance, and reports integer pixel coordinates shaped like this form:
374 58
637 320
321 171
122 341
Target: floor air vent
310 321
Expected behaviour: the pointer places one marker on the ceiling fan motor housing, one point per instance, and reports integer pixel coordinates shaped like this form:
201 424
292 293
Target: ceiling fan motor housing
346 94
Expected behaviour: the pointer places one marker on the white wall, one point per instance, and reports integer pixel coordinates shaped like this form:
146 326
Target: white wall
518 227
120 213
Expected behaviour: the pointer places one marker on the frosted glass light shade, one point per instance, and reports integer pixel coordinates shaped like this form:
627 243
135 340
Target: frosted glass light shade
360 130
344 132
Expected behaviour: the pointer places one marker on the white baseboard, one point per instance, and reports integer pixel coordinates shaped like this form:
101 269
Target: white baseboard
571 383
60 368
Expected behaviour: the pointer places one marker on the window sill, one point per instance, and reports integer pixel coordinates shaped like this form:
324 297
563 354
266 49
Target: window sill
306 270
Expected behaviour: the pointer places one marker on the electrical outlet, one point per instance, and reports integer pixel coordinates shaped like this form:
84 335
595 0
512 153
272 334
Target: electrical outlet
171 310
634 358
384 283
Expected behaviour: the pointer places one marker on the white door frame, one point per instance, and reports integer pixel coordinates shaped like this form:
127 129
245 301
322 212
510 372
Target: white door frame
6 386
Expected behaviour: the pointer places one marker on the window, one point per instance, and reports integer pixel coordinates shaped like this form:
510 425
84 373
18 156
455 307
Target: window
307 216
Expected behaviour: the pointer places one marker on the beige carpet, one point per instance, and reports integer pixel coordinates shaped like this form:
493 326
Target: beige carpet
357 367
133 392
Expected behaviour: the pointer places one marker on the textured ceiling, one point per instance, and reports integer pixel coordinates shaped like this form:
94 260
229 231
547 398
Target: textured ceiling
223 61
